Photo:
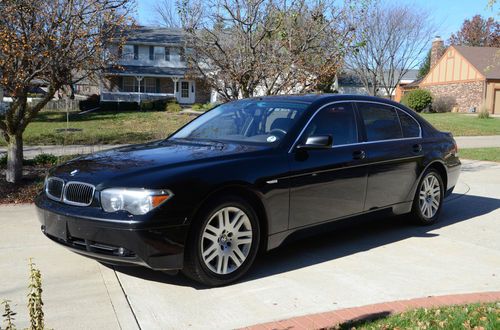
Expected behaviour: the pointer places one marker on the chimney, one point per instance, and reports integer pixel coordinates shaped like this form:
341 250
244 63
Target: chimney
437 50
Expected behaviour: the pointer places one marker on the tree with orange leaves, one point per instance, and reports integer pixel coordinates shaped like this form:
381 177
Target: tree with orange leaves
55 43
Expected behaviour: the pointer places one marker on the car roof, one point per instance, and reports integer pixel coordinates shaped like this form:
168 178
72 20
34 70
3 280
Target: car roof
323 98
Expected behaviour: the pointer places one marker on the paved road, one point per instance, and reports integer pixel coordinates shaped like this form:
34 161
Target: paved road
59 150
464 142
366 263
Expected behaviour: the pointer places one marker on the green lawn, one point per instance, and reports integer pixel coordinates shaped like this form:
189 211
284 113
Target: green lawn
102 127
135 127
461 124
474 316
489 154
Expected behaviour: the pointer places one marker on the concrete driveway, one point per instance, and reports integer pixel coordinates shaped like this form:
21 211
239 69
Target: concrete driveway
367 262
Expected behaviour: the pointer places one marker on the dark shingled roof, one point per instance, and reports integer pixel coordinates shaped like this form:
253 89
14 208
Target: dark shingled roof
132 70
154 36
485 59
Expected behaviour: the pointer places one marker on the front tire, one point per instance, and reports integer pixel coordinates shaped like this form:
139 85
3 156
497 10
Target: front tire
223 242
428 198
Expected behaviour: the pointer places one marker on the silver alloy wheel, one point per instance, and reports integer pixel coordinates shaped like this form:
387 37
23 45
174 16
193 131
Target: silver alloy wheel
226 240
429 196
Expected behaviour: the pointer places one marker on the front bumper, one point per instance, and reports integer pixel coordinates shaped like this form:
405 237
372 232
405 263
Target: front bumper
159 248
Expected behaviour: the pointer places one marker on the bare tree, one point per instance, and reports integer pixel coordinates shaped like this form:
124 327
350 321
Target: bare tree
245 48
169 12
394 39
55 44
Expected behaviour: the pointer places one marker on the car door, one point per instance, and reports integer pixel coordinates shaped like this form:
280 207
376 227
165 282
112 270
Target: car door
394 154
327 183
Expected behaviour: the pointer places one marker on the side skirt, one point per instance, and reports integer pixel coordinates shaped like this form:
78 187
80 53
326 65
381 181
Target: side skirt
275 240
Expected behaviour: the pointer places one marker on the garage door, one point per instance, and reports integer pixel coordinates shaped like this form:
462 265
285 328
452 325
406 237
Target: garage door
496 107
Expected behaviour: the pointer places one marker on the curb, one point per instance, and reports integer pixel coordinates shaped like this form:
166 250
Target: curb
333 318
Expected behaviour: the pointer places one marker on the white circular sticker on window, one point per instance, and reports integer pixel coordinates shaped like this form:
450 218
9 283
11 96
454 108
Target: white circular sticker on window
271 138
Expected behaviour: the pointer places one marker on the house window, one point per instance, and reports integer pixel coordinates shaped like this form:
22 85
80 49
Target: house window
128 52
184 89
159 53
167 54
150 85
129 84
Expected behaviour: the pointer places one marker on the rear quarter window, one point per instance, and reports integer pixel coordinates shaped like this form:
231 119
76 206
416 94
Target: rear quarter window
409 125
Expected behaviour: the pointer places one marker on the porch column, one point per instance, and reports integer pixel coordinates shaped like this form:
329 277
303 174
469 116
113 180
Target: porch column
139 79
175 80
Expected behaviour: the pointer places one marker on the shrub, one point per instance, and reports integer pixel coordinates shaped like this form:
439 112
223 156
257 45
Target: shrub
172 106
157 105
203 107
443 103
207 106
119 106
147 105
160 105
45 159
483 112
8 316
35 302
197 106
417 100
90 103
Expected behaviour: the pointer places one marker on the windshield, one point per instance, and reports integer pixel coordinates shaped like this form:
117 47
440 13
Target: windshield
246 121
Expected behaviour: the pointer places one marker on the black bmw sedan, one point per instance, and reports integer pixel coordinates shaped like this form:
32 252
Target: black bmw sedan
242 177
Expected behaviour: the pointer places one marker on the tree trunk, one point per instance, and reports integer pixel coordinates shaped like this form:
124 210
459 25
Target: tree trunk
15 158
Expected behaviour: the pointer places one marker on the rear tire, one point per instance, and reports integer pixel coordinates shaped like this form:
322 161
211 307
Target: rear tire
428 198
223 241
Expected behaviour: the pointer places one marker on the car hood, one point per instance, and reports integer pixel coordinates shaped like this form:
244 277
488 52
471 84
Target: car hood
140 159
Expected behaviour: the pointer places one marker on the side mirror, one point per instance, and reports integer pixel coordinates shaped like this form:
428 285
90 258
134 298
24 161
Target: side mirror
317 142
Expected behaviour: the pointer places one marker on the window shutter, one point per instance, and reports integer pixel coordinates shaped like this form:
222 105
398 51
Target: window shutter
136 52
158 85
120 83
151 53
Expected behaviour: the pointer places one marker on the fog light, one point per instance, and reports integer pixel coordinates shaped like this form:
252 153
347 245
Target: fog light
121 251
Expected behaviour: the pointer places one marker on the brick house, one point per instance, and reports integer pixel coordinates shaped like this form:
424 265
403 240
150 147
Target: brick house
152 65
471 75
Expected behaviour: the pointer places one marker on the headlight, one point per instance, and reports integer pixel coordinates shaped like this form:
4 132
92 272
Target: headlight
135 201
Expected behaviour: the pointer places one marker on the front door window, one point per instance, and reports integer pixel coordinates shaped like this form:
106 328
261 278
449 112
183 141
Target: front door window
185 89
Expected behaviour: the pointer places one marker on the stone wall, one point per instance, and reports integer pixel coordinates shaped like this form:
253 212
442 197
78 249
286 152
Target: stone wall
467 94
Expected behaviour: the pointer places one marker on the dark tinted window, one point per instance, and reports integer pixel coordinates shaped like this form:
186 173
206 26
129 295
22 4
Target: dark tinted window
381 122
409 125
336 120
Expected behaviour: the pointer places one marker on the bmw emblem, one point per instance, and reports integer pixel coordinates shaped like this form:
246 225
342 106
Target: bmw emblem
73 173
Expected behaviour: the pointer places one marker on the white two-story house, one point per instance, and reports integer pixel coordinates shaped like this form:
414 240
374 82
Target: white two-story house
152 65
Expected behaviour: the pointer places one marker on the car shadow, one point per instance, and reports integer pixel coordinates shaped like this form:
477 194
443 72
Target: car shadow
340 239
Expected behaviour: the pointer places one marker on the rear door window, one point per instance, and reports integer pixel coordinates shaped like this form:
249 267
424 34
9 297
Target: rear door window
381 122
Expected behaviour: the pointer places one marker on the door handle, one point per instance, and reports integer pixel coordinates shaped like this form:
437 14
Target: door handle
417 148
359 154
